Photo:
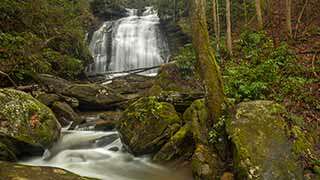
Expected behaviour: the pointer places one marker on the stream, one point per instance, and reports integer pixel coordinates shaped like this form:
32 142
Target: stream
100 155
128 43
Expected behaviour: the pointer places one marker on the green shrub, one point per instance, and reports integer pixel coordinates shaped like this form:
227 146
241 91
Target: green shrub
264 71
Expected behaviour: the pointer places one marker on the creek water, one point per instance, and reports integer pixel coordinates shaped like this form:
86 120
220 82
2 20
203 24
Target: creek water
125 44
129 43
100 155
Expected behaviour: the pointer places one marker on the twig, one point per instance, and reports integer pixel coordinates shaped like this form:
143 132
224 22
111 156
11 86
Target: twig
11 80
313 66
299 18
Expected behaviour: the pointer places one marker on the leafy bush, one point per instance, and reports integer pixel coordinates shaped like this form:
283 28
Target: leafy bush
264 72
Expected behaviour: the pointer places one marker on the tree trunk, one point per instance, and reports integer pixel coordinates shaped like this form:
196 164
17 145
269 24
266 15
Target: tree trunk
175 10
259 14
288 17
228 16
215 22
208 67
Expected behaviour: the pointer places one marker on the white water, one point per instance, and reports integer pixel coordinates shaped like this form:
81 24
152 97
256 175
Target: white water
129 43
99 155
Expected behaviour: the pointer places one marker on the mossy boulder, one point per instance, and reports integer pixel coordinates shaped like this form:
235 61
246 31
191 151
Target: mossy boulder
262 149
26 125
147 124
22 172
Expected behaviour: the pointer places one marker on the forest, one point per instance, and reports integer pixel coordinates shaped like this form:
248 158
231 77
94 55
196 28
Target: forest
160 89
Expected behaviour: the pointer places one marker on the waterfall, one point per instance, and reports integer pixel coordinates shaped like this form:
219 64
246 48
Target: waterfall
129 43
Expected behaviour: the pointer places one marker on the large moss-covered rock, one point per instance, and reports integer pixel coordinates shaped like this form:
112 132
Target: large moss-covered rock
11 171
262 148
147 124
26 125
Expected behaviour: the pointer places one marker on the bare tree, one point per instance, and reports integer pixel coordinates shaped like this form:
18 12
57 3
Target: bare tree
229 36
259 14
288 17
215 12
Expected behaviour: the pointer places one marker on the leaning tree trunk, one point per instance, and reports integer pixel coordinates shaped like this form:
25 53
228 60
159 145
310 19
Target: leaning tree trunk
208 67
229 36
288 17
259 14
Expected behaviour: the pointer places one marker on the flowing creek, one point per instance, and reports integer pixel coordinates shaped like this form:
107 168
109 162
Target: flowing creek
128 43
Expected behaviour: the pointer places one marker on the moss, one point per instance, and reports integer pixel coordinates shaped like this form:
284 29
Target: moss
262 147
174 147
146 124
27 120
23 172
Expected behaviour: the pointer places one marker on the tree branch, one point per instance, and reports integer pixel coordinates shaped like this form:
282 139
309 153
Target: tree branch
11 80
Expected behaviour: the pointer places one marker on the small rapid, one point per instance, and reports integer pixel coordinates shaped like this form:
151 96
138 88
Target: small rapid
100 155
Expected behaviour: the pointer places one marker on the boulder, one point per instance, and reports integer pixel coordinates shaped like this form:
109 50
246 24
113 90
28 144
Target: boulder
262 149
48 99
22 172
88 96
147 124
26 125
94 96
65 113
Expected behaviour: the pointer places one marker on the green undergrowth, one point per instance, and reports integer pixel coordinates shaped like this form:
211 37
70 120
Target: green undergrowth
263 71
42 36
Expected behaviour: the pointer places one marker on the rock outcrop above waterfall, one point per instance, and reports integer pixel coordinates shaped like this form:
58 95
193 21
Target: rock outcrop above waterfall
65 113
23 172
147 124
26 125
262 149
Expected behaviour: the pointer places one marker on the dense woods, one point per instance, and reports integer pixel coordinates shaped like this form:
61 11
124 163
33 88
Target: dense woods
237 98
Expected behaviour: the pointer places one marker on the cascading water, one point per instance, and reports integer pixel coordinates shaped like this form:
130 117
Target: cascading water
129 43
99 155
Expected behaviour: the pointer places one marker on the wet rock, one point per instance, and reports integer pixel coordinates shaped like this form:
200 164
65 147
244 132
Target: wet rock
22 172
94 96
48 99
26 125
52 83
88 96
262 149
65 113
147 124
